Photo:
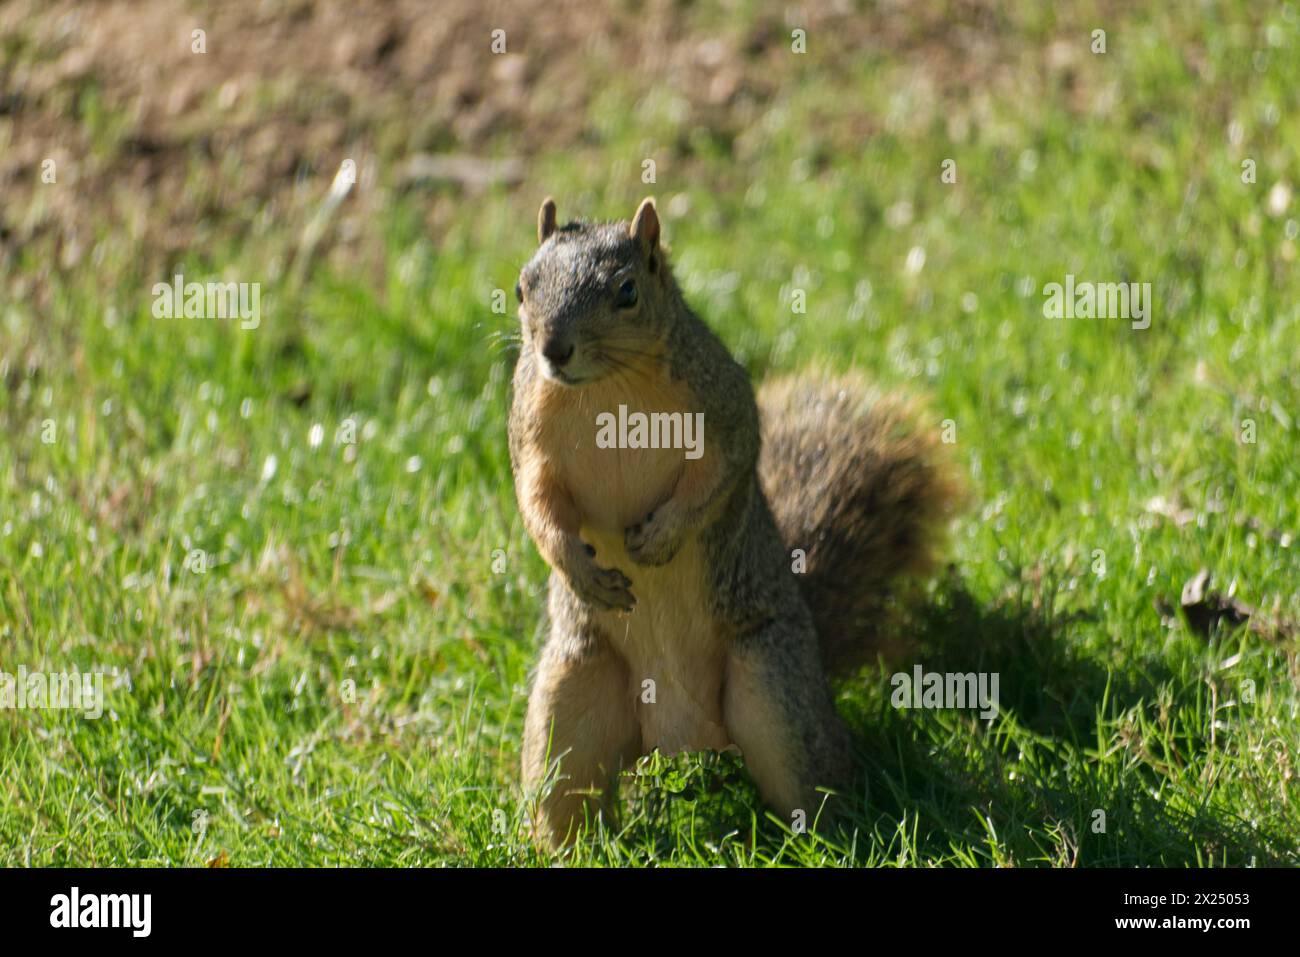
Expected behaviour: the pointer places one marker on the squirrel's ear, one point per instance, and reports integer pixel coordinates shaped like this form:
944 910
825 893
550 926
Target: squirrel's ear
645 226
545 220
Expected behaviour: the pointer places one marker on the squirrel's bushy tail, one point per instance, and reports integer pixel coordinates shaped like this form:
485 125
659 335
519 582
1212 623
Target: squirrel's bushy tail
856 481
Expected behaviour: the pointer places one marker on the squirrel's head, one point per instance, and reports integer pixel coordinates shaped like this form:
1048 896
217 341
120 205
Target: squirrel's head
595 297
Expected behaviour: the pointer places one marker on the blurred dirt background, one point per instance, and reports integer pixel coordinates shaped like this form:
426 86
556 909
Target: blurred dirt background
166 147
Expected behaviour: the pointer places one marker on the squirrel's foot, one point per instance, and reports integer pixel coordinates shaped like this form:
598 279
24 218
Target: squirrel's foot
606 588
655 540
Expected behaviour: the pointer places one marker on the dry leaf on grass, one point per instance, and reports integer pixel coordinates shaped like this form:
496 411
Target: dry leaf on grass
1203 608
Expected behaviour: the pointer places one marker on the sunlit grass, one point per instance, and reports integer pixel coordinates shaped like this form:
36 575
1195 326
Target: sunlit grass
344 683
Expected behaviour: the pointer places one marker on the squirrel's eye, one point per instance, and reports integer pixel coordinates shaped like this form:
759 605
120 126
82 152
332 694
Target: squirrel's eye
625 298
519 292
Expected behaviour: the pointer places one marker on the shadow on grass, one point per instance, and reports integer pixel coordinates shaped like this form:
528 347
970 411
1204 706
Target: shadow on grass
1038 788
943 786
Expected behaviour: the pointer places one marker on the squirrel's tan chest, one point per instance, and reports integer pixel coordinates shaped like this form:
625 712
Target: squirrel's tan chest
673 648
611 487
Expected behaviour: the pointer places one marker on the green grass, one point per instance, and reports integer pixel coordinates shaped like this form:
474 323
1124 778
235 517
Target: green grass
230 732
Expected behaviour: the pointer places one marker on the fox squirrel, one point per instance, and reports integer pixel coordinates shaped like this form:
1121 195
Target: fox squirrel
676 618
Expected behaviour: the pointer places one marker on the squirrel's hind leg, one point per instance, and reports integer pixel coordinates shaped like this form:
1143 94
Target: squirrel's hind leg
778 710
581 721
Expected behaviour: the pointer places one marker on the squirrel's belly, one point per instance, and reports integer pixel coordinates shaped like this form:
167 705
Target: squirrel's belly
674 652
619 488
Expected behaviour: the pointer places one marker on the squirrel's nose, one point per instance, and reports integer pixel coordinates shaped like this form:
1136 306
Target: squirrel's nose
558 352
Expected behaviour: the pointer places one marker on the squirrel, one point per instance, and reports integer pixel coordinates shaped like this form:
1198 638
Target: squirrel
697 602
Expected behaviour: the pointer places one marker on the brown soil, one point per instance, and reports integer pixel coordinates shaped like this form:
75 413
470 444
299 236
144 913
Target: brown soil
159 144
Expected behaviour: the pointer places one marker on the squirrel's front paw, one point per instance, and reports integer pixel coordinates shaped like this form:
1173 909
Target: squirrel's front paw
655 540
606 588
